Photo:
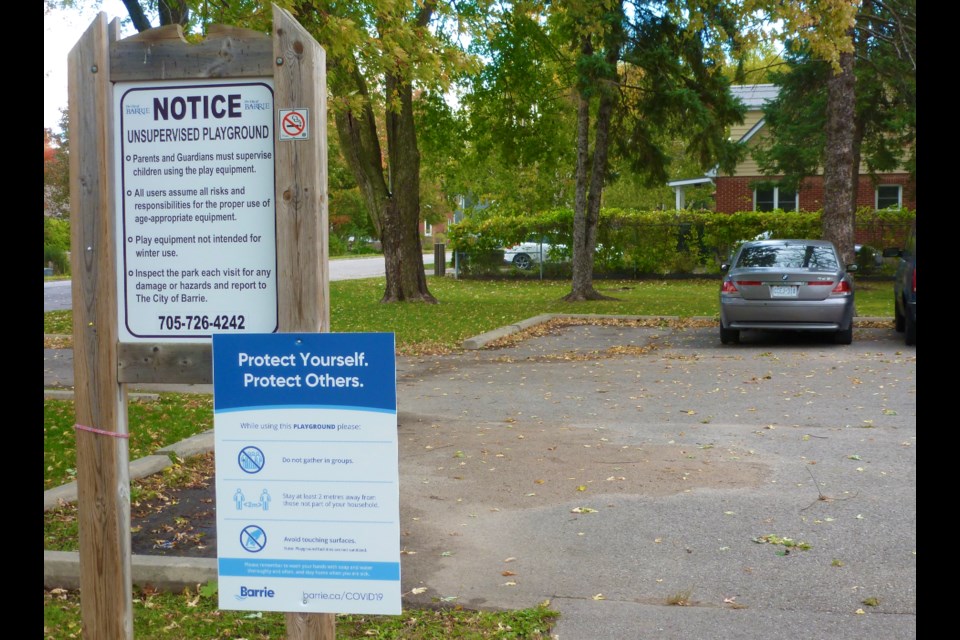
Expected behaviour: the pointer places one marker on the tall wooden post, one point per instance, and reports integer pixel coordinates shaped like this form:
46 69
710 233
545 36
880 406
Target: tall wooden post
103 480
103 365
303 281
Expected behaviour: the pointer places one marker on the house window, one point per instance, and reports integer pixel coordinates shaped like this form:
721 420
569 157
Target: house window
786 200
764 199
889 196
427 229
775 198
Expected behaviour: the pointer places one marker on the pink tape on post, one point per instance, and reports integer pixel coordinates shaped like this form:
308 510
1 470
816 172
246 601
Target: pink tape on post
101 432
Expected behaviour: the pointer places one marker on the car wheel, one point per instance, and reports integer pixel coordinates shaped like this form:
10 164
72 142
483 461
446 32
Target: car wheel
844 336
522 261
729 336
899 322
910 327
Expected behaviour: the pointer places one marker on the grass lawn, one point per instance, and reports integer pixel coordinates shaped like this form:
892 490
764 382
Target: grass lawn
194 614
470 307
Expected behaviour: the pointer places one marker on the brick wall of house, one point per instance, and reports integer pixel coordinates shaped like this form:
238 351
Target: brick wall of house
438 228
734 194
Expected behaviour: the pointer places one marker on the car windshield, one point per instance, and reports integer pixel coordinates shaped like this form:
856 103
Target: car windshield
789 256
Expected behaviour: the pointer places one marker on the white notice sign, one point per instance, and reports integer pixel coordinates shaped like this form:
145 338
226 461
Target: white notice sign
196 231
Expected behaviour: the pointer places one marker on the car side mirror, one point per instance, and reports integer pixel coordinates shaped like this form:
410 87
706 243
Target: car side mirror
724 268
853 267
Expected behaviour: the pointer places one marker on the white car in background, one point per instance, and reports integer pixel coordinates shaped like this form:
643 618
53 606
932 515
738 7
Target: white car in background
526 254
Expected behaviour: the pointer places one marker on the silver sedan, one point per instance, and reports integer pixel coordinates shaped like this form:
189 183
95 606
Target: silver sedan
787 285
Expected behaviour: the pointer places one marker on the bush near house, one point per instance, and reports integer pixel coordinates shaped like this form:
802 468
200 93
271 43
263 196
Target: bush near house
56 244
633 243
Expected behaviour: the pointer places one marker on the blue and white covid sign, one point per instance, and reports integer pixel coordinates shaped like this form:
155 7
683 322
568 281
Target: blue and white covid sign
307 472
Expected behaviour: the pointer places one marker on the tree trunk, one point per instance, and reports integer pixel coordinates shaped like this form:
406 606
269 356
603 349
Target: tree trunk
168 11
590 178
403 253
137 16
840 170
582 270
393 200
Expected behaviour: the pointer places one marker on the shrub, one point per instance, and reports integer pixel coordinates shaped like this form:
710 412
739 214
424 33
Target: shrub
53 255
633 242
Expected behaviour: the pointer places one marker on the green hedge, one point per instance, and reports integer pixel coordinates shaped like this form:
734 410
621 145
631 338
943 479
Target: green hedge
632 242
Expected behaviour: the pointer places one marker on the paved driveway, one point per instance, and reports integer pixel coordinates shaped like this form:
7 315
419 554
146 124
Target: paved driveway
622 472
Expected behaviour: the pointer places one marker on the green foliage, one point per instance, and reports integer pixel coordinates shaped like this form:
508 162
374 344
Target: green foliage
56 244
632 242
885 111
795 120
517 121
56 233
56 257
482 263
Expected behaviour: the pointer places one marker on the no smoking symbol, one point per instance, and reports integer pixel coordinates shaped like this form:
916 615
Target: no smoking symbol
293 124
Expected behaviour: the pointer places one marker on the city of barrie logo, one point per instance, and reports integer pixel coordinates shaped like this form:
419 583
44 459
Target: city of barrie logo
247 592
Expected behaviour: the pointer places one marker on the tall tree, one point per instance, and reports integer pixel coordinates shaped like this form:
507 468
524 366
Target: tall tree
382 56
517 117
848 95
643 77
841 168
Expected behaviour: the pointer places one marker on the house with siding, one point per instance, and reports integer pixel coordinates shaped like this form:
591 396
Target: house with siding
748 189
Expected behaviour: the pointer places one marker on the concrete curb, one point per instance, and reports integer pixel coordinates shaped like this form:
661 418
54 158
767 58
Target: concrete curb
67 394
61 570
482 340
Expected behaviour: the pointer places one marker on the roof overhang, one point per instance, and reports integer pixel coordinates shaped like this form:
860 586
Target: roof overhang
690 181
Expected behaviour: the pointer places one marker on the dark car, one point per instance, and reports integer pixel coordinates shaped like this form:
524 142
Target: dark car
787 285
905 287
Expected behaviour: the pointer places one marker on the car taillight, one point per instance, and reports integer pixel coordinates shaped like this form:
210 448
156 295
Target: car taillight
914 279
728 287
843 287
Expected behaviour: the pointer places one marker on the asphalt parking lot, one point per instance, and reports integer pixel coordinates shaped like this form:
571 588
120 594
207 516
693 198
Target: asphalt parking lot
625 468
651 483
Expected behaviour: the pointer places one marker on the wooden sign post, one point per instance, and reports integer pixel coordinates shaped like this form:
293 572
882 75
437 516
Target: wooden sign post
106 357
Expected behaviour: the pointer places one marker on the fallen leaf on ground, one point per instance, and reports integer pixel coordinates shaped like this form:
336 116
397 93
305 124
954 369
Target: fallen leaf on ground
583 510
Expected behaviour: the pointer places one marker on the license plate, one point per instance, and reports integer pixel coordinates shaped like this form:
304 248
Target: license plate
783 291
